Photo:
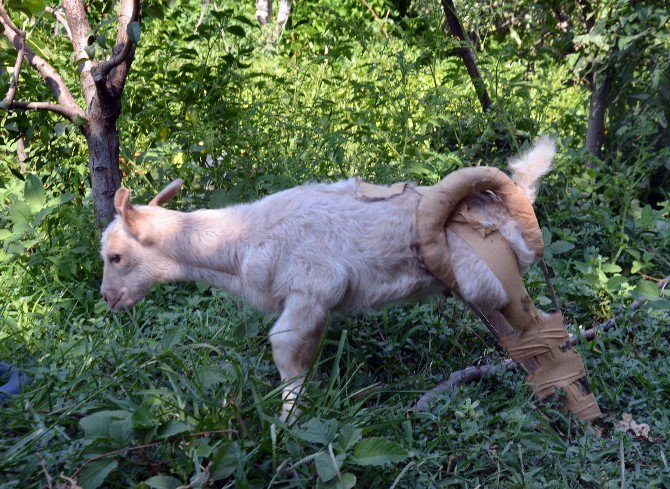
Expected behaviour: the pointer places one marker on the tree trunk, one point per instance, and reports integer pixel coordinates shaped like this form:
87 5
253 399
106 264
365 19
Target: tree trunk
102 138
595 131
467 54
403 8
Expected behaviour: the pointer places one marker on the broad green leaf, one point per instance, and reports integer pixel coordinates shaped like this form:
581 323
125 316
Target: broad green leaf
94 473
558 247
215 375
660 304
172 428
219 198
33 193
546 236
647 217
349 436
379 451
326 466
30 7
163 482
646 290
60 200
236 30
616 281
225 460
610 268
637 266
317 430
21 216
345 481
99 425
144 418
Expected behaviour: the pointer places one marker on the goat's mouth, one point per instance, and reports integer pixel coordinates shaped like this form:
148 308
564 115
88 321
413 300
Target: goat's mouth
113 306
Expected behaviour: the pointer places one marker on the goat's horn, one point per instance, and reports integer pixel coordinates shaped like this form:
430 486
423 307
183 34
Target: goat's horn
168 192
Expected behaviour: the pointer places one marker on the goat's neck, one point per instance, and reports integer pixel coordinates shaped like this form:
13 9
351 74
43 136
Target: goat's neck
207 244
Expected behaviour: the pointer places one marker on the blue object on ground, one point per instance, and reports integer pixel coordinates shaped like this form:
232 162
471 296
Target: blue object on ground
15 381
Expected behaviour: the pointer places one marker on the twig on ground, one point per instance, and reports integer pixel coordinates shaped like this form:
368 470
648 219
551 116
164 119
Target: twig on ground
476 373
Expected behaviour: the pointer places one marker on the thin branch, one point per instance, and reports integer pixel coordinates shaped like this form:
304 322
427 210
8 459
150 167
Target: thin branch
467 54
263 11
21 154
476 373
66 103
129 11
11 93
80 28
203 11
6 19
48 106
56 12
381 22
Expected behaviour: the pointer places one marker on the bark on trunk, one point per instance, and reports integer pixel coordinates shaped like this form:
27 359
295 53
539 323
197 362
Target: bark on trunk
102 138
467 54
595 131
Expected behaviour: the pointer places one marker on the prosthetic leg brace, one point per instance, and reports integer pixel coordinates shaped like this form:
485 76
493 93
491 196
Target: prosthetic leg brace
537 341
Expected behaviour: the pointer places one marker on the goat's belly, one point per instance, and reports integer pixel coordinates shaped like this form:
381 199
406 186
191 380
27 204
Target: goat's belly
371 292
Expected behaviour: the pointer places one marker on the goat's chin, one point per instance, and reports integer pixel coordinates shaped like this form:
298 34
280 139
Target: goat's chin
127 302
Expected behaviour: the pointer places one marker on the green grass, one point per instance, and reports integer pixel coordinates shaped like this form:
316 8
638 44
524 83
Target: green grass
188 374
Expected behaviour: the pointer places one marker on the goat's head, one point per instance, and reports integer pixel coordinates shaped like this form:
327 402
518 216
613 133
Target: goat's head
132 248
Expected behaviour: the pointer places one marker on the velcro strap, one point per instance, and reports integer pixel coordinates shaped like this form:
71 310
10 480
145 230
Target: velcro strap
558 368
582 404
543 335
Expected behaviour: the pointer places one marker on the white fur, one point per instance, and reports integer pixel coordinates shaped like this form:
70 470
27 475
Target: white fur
532 165
304 253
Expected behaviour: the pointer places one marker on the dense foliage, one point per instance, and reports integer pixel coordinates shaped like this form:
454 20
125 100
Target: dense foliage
182 389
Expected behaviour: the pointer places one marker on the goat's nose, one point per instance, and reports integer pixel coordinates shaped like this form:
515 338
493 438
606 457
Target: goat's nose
104 294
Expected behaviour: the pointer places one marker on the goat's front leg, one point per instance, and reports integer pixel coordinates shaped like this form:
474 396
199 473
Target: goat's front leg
295 337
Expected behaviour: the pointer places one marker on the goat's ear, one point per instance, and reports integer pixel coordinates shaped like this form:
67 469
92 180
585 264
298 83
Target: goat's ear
133 217
168 192
123 206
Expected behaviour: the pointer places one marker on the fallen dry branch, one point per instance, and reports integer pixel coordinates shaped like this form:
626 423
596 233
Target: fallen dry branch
478 372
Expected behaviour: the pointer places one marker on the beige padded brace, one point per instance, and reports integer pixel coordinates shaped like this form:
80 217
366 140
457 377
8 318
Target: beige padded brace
536 339
536 336
439 201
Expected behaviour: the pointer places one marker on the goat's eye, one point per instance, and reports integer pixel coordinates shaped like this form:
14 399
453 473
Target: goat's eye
114 258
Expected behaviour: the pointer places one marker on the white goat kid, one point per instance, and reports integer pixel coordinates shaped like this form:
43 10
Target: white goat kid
304 253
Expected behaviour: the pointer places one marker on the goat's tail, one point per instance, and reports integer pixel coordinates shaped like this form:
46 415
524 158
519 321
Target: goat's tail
528 168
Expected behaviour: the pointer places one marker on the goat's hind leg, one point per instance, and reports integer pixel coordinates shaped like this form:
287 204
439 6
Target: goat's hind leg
295 338
539 342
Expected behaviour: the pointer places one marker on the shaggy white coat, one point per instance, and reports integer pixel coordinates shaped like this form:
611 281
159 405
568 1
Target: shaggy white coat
304 253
